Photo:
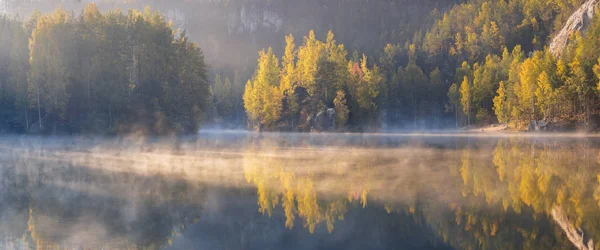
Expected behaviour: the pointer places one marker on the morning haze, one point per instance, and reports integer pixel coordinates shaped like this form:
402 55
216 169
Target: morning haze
279 124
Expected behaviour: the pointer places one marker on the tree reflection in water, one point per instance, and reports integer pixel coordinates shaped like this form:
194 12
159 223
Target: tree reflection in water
466 192
475 195
56 205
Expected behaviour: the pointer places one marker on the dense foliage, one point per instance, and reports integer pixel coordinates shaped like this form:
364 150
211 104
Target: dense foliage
480 62
312 77
504 69
467 62
499 51
99 72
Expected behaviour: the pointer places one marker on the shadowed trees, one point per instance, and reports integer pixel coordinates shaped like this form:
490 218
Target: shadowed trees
110 72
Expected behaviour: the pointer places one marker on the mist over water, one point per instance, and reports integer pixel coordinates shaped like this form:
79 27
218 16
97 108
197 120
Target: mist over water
142 75
236 190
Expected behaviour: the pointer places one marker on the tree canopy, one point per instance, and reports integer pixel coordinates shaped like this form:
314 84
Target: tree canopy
96 71
470 62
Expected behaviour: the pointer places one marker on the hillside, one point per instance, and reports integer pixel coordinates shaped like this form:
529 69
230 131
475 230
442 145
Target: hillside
479 62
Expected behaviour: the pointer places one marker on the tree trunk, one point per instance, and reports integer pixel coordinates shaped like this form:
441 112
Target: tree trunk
26 121
110 114
469 115
89 95
456 114
414 109
39 107
2 114
532 109
469 118
587 114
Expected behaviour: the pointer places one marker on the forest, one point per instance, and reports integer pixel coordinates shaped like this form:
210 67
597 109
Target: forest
100 73
481 62
459 64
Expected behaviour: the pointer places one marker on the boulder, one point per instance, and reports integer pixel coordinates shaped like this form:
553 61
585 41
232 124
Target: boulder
324 121
540 125
592 124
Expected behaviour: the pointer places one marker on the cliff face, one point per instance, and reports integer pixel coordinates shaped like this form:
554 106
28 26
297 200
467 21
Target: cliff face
579 21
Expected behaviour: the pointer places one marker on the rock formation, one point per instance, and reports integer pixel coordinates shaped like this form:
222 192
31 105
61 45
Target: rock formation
579 21
324 121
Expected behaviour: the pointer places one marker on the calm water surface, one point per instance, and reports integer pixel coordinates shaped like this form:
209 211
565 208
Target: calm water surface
300 191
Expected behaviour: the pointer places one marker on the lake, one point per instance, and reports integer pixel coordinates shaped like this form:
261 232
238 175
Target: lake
236 190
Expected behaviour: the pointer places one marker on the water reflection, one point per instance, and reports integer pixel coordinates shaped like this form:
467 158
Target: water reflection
518 193
243 191
50 206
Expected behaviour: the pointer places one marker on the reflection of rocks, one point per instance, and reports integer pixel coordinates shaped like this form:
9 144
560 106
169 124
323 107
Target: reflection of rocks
575 235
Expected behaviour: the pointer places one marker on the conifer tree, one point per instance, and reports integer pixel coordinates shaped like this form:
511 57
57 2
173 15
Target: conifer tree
465 98
341 109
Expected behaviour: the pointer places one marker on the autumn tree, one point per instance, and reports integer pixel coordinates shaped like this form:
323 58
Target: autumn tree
465 98
500 106
341 109
454 101
288 78
100 72
545 95
308 58
263 97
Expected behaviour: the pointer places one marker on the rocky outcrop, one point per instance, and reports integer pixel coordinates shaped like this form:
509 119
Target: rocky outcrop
324 121
541 125
579 21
